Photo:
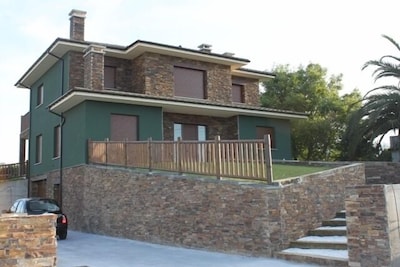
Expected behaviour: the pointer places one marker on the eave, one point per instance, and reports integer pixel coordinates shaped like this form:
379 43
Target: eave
61 46
182 106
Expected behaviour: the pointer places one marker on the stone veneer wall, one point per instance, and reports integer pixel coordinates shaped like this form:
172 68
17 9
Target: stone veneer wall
373 229
231 216
226 128
27 240
379 172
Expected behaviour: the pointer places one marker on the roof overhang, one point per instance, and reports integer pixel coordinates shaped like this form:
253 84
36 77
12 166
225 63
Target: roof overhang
76 97
61 46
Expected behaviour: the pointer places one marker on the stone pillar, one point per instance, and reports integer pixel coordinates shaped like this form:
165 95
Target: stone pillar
77 25
94 67
373 231
28 240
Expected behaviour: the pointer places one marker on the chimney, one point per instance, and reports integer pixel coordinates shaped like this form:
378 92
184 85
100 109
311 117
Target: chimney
205 48
77 25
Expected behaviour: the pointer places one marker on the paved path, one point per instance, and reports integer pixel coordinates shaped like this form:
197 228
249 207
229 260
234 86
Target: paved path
89 250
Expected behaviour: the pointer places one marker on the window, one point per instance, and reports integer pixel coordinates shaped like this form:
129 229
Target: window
39 95
189 83
237 93
261 131
38 155
124 127
109 76
57 142
190 132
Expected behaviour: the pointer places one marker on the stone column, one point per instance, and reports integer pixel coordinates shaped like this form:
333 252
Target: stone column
373 230
94 67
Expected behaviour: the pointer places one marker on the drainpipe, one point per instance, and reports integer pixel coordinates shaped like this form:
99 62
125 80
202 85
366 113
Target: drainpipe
62 122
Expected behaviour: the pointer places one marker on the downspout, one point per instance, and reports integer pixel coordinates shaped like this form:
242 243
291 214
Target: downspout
62 122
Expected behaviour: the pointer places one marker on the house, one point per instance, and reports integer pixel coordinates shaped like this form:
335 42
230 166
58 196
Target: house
82 90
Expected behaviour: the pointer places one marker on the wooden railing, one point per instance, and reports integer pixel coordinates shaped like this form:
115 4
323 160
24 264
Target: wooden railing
245 159
13 170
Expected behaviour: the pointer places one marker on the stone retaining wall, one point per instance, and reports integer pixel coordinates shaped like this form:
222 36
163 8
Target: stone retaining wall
373 229
382 172
231 216
28 241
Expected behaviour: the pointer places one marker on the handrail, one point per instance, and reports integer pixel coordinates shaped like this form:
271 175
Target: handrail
243 159
13 170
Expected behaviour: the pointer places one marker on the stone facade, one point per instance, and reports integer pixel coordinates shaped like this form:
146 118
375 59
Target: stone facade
247 218
76 76
379 172
251 90
226 128
373 225
123 73
28 240
94 67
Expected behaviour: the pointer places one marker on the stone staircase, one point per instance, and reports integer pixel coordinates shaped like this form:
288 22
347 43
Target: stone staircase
324 246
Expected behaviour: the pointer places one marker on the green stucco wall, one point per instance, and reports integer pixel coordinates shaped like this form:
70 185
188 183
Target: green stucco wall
91 120
42 122
283 148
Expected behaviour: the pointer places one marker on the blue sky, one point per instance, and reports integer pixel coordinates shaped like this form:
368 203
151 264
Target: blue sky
339 35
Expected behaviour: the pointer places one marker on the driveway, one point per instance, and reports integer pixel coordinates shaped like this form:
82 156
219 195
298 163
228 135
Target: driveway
88 250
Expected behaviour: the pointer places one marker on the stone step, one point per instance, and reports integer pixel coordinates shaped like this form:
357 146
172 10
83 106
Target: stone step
329 231
341 214
335 222
322 257
318 245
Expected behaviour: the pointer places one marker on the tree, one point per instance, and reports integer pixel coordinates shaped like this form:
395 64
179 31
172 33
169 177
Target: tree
380 112
309 90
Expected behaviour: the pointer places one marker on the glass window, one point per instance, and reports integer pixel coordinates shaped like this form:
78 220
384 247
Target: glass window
109 76
57 141
261 131
190 132
237 93
39 95
189 83
38 155
124 128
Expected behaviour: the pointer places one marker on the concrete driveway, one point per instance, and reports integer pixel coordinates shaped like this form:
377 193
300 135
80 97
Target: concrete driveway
88 250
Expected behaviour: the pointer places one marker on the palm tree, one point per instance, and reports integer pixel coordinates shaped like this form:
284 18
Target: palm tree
380 112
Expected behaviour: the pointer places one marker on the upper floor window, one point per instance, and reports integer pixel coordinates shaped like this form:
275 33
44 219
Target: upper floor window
39 95
189 82
57 142
109 76
238 93
38 150
262 131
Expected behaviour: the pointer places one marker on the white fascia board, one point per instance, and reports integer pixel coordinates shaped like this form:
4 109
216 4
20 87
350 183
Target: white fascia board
75 98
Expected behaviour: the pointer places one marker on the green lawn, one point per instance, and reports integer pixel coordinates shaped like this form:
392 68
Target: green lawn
282 171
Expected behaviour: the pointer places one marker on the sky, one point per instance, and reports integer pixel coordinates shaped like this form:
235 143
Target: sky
340 35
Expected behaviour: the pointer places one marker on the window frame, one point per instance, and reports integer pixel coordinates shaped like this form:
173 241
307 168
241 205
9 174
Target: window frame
39 95
39 149
114 76
189 93
241 88
269 130
57 142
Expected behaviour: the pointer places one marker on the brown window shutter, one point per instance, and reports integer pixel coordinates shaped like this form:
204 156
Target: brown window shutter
237 93
189 82
124 127
261 131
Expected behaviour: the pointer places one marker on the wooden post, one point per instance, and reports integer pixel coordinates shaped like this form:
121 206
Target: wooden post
218 156
107 150
268 158
178 155
89 151
150 154
126 152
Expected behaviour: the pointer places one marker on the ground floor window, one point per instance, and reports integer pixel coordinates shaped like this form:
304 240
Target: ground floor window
261 131
190 132
124 128
38 152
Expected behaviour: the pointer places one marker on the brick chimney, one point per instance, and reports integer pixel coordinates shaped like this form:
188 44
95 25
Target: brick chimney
77 25
93 64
